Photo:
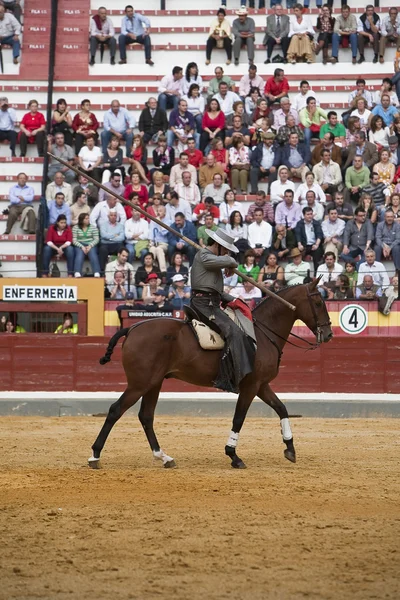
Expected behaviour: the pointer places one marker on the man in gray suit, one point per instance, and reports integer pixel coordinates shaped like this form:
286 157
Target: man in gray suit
277 32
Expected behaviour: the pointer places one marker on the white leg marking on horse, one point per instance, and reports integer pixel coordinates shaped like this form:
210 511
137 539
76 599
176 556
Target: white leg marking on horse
160 455
232 439
94 462
286 430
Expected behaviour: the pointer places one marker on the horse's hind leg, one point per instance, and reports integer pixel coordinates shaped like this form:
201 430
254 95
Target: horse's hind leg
146 417
128 399
270 398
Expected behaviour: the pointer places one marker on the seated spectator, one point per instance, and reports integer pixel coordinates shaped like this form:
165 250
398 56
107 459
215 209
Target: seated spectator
327 173
260 236
283 241
327 143
213 124
345 33
196 157
61 121
176 266
229 205
175 206
84 124
170 89
309 186
301 34
392 203
368 26
191 77
134 30
332 229
360 147
247 292
251 80
261 112
143 272
150 289
311 118
387 88
344 209
85 239
342 290
208 170
230 282
385 110
138 158
187 190
357 178
394 150
181 126
182 167
278 187
378 133
10 30
353 127
136 236
179 293
226 98
263 203
239 160
68 325
374 268
58 243
333 126
360 92
118 122
249 267
297 270
317 208
112 161
239 111
32 129
377 190
118 289
112 236
136 187
219 36
114 185
204 208
283 112
352 274
300 101
58 207
8 121
21 198
277 32
153 121
59 185
213 84
89 189
195 104
237 131
202 235
175 244
163 157
286 130
217 189
61 150
158 187
90 159
295 156
238 230
309 237
160 303
243 30
262 161
368 205
120 264
387 240
385 169
361 111
368 290
271 271
328 272
288 212
79 207
158 237
102 32
357 237
276 87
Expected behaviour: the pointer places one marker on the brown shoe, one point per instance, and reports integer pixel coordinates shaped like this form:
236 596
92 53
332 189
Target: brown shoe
15 61
122 62
149 62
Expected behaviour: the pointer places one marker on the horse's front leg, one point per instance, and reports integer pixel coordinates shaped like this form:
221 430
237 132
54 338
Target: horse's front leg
270 398
246 397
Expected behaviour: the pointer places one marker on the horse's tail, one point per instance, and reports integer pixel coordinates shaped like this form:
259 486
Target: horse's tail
112 343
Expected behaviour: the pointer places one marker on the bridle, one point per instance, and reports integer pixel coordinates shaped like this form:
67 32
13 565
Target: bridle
319 326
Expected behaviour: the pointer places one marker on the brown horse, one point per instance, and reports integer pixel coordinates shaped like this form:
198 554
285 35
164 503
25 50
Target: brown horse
155 350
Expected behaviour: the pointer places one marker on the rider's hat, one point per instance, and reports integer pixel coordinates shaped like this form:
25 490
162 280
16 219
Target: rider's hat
222 238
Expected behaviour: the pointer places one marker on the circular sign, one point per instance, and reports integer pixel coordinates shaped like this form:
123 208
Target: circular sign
353 319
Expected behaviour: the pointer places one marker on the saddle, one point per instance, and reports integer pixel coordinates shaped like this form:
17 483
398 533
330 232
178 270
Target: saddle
207 337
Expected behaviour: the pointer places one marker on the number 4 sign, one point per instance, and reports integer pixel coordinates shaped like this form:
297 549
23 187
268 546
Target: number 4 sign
353 319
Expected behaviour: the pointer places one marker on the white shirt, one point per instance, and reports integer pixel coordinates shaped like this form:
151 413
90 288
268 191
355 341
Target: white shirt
226 103
169 83
140 227
225 210
89 157
333 228
377 271
195 105
363 118
318 210
303 188
277 190
176 175
101 211
300 101
328 275
240 292
182 206
186 84
305 26
260 234
189 193
280 117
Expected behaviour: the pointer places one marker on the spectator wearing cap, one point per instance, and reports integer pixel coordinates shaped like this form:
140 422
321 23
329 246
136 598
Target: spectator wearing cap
150 288
160 303
179 292
8 119
128 304
10 30
112 237
158 237
243 30
175 244
202 234
143 272
297 270
120 264
136 236
262 161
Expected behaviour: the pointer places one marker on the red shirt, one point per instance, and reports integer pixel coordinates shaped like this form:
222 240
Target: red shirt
214 211
31 122
218 123
91 124
195 158
59 240
276 88
143 198
220 157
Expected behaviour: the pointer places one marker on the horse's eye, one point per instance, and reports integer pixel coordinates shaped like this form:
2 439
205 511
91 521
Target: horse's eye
318 303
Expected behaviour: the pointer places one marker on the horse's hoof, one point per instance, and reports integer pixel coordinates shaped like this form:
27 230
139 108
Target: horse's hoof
171 464
290 455
238 465
94 463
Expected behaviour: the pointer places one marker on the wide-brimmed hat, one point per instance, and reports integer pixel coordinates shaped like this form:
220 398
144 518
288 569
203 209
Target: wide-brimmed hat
294 252
242 11
222 238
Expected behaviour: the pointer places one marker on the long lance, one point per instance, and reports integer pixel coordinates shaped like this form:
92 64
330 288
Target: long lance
261 287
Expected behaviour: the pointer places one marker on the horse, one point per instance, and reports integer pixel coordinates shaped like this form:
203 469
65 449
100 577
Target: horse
167 348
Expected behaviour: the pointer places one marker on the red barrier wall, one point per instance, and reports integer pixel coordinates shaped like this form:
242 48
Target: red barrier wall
41 363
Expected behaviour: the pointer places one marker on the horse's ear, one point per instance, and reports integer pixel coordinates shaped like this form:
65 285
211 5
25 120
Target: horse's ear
314 283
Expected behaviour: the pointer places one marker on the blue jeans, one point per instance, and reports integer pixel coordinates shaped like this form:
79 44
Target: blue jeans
351 256
132 255
307 3
171 138
336 38
168 101
49 252
106 137
308 134
80 258
124 40
16 46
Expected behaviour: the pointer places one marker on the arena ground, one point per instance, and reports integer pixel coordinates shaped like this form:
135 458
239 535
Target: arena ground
327 527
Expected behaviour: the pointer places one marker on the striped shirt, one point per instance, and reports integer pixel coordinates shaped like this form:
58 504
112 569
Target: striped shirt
88 237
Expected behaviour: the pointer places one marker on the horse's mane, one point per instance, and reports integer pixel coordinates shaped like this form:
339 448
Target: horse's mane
278 292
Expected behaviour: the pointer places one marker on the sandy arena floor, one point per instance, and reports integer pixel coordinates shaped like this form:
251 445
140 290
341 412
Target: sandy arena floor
327 527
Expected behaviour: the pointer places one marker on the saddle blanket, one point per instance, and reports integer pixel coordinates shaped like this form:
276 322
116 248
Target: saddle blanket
210 339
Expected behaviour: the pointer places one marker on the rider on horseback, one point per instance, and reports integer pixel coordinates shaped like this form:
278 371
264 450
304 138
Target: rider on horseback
207 294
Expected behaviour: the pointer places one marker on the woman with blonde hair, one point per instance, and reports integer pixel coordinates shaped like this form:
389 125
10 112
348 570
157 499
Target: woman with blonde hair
366 202
301 34
385 169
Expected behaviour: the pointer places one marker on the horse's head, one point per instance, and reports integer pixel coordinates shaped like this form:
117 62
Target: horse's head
312 311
